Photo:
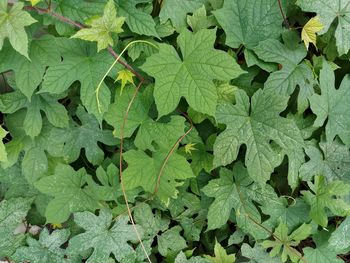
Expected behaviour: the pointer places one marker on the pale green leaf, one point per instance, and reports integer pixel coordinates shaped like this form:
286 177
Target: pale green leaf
12 213
104 236
171 241
220 255
3 153
340 238
332 105
255 124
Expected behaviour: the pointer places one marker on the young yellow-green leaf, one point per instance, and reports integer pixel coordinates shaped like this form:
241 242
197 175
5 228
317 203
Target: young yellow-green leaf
34 2
287 242
192 75
102 27
308 34
125 76
329 12
104 235
12 22
221 255
327 195
189 147
3 154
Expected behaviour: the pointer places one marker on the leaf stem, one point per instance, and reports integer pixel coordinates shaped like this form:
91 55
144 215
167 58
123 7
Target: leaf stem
283 15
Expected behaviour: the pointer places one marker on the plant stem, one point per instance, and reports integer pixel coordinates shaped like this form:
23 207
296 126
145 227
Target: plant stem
286 23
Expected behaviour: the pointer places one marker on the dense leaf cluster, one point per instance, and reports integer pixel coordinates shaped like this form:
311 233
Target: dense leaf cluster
175 131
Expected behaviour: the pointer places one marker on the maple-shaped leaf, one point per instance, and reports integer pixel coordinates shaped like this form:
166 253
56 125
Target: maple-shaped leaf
328 12
151 223
104 236
138 112
43 52
54 111
67 186
332 105
85 136
181 258
332 161
257 254
143 171
308 33
249 22
192 76
286 242
176 11
12 22
256 124
125 76
199 20
3 153
80 63
294 71
138 20
220 255
101 28
339 240
171 242
168 130
236 190
326 195
12 213
46 249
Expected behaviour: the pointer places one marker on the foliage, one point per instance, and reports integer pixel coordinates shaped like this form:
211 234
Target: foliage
175 131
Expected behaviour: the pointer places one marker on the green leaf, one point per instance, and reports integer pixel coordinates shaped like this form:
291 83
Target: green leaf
257 254
12 23
125 76
54 111
12 213
181 258
255 124
137 20
221 255
340 238
46 249
171 242
143 171
332 105
85 136
151 223
3 153
199 20
308 34
332 161
104 236
249 22
321 255
70 195
294 72
236 191
176 11
190 77
328 12
101 28
43 52
323 195
138 112
80 63
286 242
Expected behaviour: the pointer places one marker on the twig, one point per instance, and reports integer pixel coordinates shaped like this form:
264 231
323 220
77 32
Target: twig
81 26
283 15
